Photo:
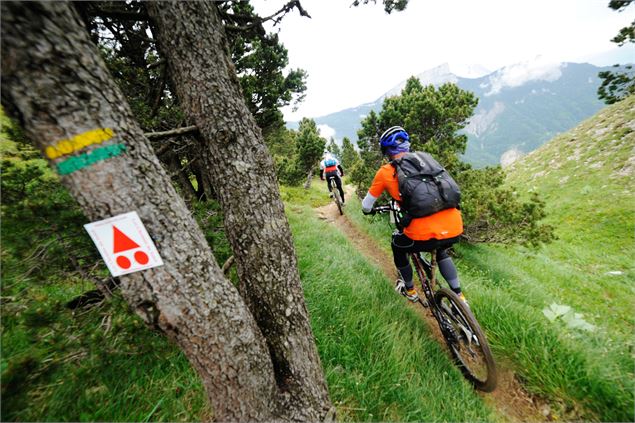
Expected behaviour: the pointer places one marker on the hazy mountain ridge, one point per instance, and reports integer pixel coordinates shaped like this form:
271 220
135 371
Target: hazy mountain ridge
525 116
520 106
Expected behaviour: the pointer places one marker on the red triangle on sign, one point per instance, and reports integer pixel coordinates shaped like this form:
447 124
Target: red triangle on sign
122 242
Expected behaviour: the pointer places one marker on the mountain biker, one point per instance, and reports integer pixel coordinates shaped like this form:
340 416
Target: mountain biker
437 231
330 168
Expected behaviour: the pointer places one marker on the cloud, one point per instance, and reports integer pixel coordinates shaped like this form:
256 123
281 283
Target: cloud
516 75
326 131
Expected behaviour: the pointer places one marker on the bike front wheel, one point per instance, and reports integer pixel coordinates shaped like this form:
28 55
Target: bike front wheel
466 340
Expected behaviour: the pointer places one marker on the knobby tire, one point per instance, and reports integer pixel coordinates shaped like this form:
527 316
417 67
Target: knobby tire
337 197
481 370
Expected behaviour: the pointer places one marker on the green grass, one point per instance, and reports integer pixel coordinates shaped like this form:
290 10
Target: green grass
583 375
380 359
316 196
588 374
98 364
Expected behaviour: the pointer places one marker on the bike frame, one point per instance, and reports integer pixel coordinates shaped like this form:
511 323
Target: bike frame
426 272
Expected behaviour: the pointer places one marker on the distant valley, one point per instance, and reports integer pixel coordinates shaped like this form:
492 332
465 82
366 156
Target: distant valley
520 106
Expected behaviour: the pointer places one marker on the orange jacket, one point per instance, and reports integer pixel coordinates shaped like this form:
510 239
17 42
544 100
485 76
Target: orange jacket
441 225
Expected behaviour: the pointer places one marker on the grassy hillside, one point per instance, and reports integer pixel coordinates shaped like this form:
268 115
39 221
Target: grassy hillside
586 177
580 361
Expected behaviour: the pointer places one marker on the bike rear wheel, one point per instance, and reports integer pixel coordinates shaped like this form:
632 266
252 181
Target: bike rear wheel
336 196
466 341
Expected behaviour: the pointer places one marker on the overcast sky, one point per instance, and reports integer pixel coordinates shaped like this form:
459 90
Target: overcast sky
355 54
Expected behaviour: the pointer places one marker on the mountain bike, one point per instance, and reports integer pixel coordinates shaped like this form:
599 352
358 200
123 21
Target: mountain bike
336 195
459 327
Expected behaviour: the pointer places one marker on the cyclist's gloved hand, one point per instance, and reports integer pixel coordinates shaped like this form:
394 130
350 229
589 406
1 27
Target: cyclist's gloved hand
369 213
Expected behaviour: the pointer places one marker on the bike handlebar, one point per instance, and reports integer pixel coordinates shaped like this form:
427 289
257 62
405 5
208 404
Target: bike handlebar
383 209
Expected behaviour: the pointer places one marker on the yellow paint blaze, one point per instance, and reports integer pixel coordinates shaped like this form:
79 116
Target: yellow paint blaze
63 147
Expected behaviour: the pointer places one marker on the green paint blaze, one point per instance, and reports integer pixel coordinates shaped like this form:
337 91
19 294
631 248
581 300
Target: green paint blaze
74 163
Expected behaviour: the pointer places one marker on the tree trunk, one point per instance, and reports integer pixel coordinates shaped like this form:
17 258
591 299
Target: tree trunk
242 173
55 84
309 178
179 174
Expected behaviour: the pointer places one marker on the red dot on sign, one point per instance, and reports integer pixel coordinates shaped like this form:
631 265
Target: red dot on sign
141 257
123 262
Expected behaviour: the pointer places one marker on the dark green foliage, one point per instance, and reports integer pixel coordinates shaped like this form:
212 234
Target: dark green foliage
43 234
259 64
371 159
139 85
282 147
619 84
389 5
333 148
209 216
131 56
260 61
616 85
310 146
281 142
350 156
121 30
432 118
626 34
493 213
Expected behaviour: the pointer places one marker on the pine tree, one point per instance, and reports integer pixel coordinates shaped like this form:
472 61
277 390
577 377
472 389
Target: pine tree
620 83
350 157
333 148
310 147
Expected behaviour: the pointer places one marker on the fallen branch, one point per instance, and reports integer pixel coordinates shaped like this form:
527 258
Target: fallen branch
228 264
170 133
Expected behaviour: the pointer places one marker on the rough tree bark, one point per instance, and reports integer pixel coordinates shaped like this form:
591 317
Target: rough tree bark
243 175
56 86
309 178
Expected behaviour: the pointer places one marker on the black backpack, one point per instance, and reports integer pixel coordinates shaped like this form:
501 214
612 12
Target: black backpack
425 186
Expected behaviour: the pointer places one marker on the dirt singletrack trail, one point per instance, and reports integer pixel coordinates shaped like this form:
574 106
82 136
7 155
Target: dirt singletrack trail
511 401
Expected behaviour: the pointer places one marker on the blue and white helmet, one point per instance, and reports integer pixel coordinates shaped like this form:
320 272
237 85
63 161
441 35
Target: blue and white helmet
394 140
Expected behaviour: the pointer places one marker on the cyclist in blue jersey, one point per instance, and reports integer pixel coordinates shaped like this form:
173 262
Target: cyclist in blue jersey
330 168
